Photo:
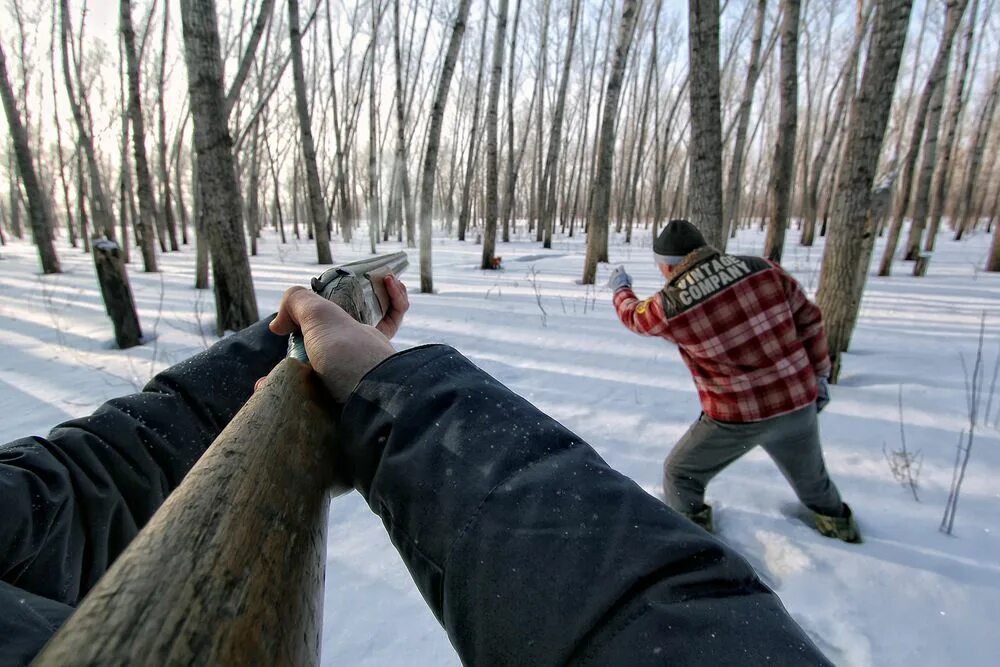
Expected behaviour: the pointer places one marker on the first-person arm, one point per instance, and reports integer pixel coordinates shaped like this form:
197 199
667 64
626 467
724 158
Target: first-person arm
72 501
526 545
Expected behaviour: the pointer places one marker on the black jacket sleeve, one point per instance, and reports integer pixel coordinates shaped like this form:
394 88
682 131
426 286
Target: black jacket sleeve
529 548
73 501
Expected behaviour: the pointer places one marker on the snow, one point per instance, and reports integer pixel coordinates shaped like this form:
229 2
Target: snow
908 595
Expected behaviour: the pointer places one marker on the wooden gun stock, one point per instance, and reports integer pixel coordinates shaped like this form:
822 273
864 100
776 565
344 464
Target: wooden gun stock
230 570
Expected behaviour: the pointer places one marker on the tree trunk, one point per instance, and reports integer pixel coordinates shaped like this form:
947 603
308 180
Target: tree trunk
734 185
464 210
60 156
784 149
705 161
317 212
38 206
402 159
555 136
492 162
993 262
144 182
869 116
218 212
253 190
433 142
935 80
117 293
507 210
101 207
967 213
848 77
81 202
538 191
600 199
166 206
373 181
942 177
921 199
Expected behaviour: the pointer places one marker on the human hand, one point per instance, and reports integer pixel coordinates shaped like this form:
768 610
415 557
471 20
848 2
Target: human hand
341 349
619 279
823 396
399 303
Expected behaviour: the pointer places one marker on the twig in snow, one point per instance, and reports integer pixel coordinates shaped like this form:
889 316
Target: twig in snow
974 388
532 278
903 464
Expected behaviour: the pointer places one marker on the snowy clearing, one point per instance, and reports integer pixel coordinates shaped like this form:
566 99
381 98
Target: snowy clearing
908 595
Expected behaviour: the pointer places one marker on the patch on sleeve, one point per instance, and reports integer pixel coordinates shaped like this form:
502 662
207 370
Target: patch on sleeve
643 307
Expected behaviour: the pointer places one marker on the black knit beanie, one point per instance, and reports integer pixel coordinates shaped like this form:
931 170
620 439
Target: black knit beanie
676 241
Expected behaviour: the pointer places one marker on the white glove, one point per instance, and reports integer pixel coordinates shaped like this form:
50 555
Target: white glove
619 279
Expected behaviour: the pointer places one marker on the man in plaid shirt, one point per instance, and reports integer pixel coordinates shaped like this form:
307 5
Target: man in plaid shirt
756 349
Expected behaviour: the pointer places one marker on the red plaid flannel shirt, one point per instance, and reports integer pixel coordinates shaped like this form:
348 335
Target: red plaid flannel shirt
754 344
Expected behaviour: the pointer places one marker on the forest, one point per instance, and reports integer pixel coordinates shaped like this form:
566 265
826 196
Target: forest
174 166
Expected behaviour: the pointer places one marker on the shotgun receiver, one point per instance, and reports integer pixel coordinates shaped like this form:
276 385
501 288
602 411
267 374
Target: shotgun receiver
356 287
230 569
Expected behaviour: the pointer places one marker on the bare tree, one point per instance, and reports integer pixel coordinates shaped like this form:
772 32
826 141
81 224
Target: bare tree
402 158
166 205
492 143
38 205
317 211
600 196
734 184
555 137
967 212
705 153
101 204
840 273
144 185
942 176
473 153
433 141
217 189
784 150
933 92
928 154
832 129
60 155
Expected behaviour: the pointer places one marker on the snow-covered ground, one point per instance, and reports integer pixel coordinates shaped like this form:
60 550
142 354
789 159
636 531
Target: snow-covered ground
908 595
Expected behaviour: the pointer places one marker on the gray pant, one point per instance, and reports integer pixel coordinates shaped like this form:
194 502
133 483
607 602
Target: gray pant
709 446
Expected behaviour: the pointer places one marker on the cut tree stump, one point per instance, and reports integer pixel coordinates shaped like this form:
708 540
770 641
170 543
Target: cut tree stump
922 262
117 293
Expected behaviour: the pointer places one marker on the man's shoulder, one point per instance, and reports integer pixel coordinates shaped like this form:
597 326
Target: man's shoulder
708 278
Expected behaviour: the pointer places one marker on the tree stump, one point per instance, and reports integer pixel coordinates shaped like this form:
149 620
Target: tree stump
117 293
923 260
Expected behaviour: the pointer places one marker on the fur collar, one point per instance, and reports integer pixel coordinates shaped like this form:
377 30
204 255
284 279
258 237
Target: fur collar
694 257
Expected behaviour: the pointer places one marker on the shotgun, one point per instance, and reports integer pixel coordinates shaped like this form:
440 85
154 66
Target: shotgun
230 569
